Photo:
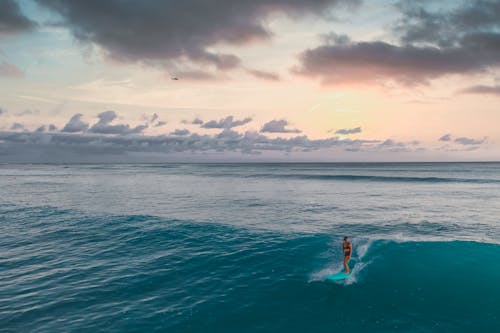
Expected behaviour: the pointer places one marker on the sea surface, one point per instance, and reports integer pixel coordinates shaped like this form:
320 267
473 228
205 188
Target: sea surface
246 247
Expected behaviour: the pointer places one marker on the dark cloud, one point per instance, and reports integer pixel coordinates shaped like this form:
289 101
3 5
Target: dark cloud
197 121
153 120
154 117
158 31
445 138
227 123
2 111
229 135
135 130
482 89
469 141
461 40
160 123
408 64
104 126
45 128
278 126
10 70
347 131
264 75
85 147
17 127
446 26
334 38
75 124
180 132
106 117
12 19
465 141
420 25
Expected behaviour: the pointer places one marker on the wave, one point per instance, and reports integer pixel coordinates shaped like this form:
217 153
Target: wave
145 273
377 178
418 286
358 262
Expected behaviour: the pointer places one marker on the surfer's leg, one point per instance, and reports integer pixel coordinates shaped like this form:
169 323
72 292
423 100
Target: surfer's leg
346 266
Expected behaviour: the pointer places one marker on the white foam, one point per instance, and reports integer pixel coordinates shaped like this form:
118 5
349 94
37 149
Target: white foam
362 245
355 272
404 238
324 272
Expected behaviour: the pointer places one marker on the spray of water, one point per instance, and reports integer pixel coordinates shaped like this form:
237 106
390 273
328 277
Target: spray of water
361 248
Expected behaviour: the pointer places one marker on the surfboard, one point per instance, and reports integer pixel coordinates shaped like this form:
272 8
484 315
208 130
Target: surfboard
338 276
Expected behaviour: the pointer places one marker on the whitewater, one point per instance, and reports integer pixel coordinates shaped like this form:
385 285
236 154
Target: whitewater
247 247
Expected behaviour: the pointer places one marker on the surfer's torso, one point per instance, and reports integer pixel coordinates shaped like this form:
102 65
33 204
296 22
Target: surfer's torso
347 249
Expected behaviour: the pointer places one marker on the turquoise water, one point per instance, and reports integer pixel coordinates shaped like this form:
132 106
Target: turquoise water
246 248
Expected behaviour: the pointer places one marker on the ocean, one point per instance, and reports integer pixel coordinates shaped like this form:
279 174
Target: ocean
246 247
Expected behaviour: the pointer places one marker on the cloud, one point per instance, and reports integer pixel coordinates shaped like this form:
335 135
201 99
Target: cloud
98 147
195 75
465 141
180 132
264 75
153 120
469 141
44 128
388 145
227 123
10 70
12 20
445 138
334 38
195 121
359 62
75 124
446 26
347 131
278 126
106 117
171 31
27 113
482 89
154 117
229 135
17 127
2 111
461 40
103 126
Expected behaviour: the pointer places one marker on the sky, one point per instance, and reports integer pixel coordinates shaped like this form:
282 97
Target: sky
89 81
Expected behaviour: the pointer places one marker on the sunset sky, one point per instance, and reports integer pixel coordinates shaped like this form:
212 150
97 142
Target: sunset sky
261 80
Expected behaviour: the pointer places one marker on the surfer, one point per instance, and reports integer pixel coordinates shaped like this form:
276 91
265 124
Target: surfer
347 249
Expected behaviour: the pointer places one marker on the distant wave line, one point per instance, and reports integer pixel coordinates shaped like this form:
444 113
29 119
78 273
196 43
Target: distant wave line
377 178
